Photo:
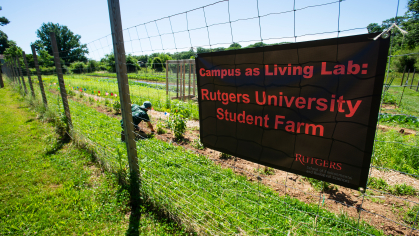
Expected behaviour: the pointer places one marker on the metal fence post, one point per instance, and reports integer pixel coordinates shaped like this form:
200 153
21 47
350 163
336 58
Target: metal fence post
21 75
29 74
41 83
60 78
121 72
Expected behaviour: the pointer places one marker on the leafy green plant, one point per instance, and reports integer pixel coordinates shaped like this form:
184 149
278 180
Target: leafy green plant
107 103
398 189
160 128
410 216
225 156
197 144
378 183
389 99
116 106
320 185
178 125
71 93
265 170
403 189
399 119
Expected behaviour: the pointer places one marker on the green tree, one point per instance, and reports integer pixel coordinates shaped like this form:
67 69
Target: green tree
45 59
132 63
234 46
157 64
109 61
69 45
31 62
3 20
4 42
375 28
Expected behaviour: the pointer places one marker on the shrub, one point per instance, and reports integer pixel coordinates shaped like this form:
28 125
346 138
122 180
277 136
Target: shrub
408 61
157 64
77 67
116 106
197 144
160 128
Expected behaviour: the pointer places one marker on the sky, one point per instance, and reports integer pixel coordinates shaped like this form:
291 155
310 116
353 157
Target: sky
217 25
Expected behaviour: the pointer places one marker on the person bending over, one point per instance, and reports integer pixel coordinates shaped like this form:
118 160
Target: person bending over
139 113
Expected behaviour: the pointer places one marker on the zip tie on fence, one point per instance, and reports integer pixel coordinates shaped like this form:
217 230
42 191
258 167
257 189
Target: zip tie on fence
386 34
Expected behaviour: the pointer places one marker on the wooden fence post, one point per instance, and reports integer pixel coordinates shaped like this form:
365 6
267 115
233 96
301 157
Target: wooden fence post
29 74
177 79
404 71
413 78
184 81
11 72
21 74
1 78
60 79
15 72
121 72
167 78
41 83
189 81
194 79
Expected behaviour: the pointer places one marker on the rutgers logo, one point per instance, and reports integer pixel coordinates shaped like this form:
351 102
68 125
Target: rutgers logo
318 162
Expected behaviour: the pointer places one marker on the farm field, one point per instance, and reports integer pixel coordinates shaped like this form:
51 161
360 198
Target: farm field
51 187
101 129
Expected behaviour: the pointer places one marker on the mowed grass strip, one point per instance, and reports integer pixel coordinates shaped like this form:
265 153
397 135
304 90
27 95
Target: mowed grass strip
48 187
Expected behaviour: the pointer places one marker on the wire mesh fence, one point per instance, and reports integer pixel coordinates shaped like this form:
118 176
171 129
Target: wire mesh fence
210 192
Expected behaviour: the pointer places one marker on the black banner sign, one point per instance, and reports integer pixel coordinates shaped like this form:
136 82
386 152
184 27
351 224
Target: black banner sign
309 108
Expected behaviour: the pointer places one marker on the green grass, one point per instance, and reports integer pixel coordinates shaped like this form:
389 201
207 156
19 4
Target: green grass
50 187
410 101
397 151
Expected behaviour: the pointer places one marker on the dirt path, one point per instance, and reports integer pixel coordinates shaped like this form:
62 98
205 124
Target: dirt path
379 209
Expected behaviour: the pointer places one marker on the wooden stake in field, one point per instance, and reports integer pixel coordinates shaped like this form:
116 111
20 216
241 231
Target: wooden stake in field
167 78
194 82
60 79
41 84
404 87
184 81
29 74
16 72
121 72
404 71
177 79
21 75
12 72
189 87
1 78
413 78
